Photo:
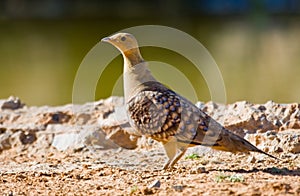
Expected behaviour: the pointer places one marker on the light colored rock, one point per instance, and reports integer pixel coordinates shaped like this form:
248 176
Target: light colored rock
117 128
245 118
96 139
74 138
65 141
103 125
284 141
5 141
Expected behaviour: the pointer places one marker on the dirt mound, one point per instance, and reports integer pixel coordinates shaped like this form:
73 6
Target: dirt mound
91 149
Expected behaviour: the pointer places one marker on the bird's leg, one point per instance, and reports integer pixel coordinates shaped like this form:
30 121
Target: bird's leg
171 150
178 156
182 149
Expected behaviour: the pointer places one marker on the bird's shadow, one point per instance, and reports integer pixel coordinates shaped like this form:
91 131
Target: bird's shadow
271 170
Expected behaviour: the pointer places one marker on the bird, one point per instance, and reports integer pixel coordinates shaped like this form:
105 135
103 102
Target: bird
158 112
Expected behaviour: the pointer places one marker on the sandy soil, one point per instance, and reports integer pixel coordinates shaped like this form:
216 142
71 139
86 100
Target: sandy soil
135 172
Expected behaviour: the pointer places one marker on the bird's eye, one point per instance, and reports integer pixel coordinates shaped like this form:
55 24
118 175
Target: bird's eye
123 38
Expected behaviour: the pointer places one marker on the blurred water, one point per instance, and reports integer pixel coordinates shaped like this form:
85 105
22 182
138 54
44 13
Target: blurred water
39 59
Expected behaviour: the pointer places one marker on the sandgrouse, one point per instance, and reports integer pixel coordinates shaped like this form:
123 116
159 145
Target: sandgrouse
160 113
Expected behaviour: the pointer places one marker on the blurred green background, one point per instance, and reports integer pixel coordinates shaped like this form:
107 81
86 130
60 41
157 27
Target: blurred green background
256 44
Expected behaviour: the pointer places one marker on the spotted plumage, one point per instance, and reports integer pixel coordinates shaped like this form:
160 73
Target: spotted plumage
160 113
155 111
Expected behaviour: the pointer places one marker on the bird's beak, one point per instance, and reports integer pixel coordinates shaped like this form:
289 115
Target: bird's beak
106 39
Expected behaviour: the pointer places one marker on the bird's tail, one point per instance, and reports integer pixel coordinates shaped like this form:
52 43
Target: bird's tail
219 138
234 143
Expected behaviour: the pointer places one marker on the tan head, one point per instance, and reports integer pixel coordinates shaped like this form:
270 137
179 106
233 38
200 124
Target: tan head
127 45
122 41
135 70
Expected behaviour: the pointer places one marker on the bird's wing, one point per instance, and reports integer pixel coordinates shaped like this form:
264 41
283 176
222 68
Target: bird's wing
201 127
158 112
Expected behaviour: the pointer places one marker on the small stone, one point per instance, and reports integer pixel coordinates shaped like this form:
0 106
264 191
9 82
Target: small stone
147 191
262 108
200 105
261 157
12 103
251 159
57 118
295 148
28 137
178 188
271 137
277 122
154 184
198 170
5 141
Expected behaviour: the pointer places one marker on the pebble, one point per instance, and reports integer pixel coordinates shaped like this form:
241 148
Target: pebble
198 170
147 191
12 103
251 159
178 188
154 184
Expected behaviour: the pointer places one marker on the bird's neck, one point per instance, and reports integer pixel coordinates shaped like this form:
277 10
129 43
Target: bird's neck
135 73
133 57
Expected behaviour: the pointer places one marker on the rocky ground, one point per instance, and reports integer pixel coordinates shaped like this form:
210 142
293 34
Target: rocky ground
89 149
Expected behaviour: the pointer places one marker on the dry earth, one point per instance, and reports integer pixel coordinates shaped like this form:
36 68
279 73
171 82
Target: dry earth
62 151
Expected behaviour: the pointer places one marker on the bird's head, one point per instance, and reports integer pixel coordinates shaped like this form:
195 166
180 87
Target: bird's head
123 41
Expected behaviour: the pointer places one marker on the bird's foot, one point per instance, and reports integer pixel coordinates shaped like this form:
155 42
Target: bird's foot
166 165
